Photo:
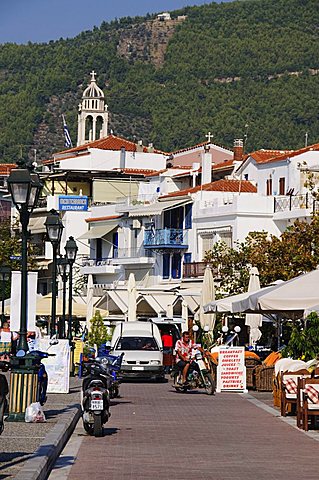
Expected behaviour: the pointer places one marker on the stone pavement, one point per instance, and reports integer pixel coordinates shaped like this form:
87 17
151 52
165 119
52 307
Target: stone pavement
155 432
20 441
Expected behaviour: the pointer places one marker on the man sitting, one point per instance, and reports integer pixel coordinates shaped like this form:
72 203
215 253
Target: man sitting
183 349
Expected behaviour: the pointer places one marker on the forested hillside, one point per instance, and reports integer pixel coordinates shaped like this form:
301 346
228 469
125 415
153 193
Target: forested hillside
225 66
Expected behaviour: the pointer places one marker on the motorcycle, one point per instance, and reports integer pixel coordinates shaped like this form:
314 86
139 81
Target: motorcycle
4 390
95 396
199 375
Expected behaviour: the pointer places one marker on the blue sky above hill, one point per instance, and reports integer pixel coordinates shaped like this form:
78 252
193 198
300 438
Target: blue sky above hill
43 20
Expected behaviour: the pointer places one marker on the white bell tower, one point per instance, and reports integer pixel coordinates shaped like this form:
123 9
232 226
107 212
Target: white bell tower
93 114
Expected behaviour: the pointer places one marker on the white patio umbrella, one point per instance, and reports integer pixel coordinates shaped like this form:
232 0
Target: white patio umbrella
296 295
132 297
253 320
89 301
207 295
185 313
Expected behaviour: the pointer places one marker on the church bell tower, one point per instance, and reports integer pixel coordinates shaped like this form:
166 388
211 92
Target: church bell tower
93 115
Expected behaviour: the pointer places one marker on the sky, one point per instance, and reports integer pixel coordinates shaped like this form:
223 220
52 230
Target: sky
22 21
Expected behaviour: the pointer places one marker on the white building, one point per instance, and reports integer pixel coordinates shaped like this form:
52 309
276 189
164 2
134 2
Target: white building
282 176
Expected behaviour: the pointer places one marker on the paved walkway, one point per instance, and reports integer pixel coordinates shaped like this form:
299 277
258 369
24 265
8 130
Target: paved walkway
20 440
155 432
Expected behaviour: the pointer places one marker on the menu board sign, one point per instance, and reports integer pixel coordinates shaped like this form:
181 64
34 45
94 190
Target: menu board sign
231 371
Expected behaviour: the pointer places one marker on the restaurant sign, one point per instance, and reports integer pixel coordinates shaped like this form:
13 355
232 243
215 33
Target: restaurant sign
73 203
231 371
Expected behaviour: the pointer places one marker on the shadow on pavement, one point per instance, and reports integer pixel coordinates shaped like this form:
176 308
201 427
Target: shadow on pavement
49 414
12 458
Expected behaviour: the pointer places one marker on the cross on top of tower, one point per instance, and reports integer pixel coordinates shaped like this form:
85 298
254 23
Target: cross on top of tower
209 136
93 74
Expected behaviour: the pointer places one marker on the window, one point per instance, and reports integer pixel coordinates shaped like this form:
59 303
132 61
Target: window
115 241
269 186
282 187
246 176
137 343
188 215
98 249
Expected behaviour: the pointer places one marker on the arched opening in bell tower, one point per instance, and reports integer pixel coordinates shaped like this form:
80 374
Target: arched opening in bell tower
99 126
89 128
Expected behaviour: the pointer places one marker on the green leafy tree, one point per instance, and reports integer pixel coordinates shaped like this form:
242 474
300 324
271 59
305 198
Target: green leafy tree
304 341
98 333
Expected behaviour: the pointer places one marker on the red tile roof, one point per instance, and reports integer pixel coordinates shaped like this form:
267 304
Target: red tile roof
5 168
266 156
278 155
222 185
111 142
102 219
137 171
199 145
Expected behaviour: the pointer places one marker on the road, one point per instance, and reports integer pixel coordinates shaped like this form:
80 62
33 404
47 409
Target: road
156 433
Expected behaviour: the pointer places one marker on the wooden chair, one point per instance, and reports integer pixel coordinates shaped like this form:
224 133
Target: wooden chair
309 406
289 389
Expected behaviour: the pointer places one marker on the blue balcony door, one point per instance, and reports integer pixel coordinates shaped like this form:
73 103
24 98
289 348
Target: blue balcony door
176 265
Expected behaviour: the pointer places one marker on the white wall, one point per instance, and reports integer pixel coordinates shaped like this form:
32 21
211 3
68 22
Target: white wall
104 160
287 168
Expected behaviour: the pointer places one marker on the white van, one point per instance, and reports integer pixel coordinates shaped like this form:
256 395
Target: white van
142 346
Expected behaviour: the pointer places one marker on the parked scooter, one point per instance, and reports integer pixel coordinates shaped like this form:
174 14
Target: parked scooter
4 390
199 375
37 356
113 363
95 396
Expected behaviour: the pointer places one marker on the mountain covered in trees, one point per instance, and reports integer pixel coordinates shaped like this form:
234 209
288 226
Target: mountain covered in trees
243 68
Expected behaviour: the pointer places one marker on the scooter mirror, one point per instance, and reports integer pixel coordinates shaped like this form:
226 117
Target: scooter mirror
20 353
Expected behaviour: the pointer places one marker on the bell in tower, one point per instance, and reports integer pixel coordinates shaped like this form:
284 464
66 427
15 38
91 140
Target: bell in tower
93 115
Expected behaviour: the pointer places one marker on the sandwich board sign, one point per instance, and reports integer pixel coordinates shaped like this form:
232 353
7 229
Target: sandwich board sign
231 370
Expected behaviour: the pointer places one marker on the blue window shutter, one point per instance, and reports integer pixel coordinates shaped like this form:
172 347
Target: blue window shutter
187 257
188 215
166 265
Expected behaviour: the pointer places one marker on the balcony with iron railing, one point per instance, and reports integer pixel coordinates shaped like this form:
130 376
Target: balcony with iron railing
121 256
291 205
194 269
166 238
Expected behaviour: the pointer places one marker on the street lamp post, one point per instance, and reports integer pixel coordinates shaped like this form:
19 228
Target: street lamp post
71 249
5 276
24 187
54 229
63 267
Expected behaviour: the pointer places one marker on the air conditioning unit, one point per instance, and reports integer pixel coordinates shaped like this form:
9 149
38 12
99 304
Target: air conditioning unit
136 223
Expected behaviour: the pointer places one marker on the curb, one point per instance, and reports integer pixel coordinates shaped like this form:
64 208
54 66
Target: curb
39 466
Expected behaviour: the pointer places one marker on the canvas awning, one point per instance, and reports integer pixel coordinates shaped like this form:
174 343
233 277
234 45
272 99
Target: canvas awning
36 225
115 301
98 231
157 208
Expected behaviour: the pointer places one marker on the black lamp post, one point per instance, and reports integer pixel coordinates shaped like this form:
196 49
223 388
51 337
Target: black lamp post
63 268
5 276
71 249
25 187
54 229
